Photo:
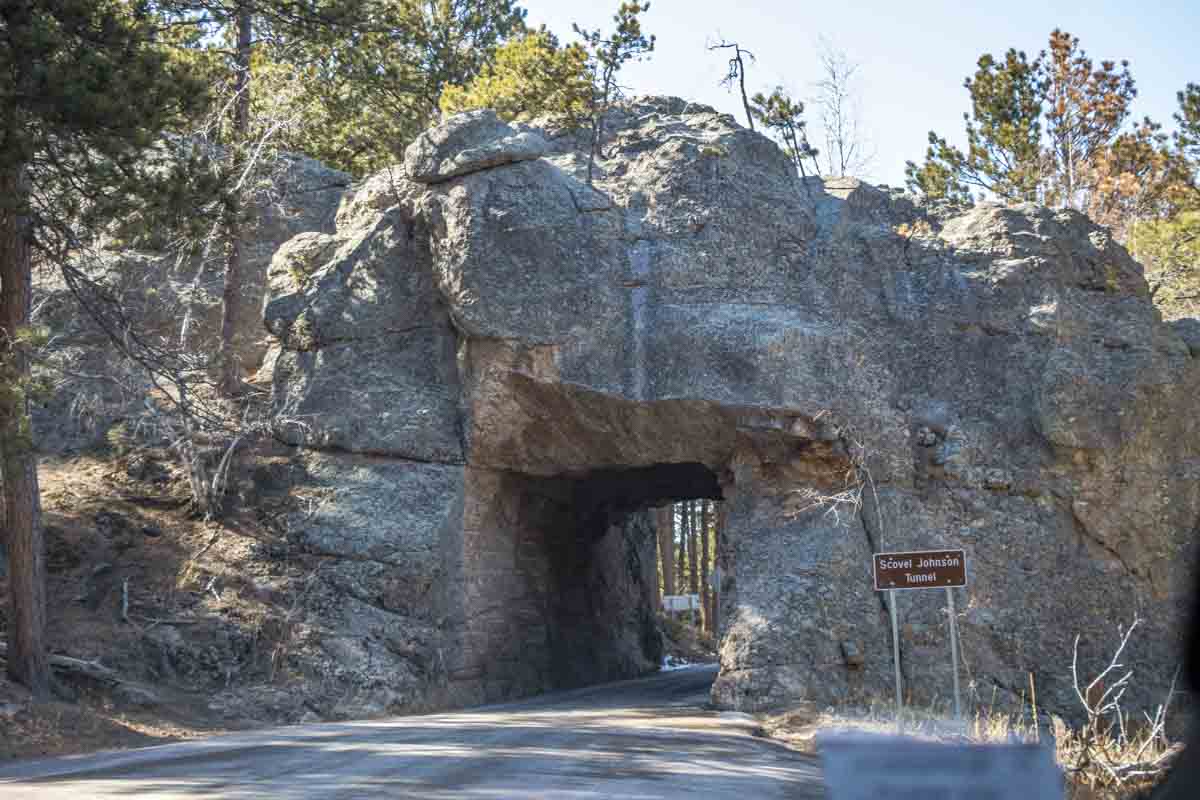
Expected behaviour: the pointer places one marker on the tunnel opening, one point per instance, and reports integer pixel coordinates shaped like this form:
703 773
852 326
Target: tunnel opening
564 576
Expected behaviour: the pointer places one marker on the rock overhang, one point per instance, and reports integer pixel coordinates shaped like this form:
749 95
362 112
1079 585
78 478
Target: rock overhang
700 304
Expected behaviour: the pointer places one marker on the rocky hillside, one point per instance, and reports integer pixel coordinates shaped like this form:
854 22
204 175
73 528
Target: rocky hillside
484 325
483 370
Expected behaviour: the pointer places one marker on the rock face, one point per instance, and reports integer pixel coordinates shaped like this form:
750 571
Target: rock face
496 368
156 288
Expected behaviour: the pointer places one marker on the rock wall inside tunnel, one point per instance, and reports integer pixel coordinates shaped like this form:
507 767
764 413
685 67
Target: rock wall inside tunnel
499 366
549 587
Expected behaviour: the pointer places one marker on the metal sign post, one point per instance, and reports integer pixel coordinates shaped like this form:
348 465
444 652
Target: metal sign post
954 649
896 651
922 569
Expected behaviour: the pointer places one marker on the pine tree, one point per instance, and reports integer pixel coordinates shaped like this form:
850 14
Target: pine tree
531 76
784 117
1003 136
607 54
236 29
373 87
1052 131
85 91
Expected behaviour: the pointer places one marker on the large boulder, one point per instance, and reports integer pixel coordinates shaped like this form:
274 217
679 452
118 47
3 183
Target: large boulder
467 143
848 370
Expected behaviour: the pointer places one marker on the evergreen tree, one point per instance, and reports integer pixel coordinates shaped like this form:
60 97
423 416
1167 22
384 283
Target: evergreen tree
1168 242
607 54
1052 131
784 117
85 91
1003 136
236 29
530 76
1187 140
371 89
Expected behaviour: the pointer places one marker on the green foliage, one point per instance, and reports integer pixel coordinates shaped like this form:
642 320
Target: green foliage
1003 136
1052 131
1170 249
779 113
531 76
1169 244
606 55
19 388
365 90
1187 138
87 90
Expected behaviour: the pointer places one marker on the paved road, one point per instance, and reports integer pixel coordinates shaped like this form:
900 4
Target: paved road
649 738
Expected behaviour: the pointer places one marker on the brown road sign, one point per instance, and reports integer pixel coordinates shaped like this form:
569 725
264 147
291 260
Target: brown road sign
922 569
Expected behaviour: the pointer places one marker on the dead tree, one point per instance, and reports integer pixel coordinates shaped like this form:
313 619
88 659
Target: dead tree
737 72
837 99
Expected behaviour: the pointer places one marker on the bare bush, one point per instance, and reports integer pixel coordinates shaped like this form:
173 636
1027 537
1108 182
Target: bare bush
1112 751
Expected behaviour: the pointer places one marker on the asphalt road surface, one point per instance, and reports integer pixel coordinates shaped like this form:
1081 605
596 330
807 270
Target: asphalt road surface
645 739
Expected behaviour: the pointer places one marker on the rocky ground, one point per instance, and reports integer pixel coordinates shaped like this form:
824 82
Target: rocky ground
184 627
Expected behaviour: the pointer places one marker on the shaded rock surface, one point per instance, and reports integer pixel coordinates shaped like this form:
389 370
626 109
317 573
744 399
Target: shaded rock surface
851 372
158 289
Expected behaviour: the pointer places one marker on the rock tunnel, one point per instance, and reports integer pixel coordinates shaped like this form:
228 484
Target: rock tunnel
501 365
559 576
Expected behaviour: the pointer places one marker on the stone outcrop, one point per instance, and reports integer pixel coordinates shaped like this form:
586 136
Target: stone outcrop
156 288
495 368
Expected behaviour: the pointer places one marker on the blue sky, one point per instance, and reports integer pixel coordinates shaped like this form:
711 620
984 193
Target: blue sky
913 55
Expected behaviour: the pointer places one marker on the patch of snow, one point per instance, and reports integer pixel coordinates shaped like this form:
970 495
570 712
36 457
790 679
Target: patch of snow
673 662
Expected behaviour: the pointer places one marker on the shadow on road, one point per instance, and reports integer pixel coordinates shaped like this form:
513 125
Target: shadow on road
650 738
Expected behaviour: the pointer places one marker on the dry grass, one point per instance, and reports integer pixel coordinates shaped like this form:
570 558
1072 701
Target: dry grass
1100 762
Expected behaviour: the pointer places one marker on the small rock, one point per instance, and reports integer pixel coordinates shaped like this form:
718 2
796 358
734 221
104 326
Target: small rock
852 655
9 710
152 530
926 437
997 480
109 523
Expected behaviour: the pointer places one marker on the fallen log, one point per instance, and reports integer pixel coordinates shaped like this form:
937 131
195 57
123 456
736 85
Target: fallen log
78 666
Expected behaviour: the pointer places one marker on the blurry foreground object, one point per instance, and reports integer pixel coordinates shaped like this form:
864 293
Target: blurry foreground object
864 767
1184 781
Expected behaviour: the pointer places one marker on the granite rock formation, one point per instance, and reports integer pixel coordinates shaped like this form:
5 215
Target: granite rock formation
500 367
156 288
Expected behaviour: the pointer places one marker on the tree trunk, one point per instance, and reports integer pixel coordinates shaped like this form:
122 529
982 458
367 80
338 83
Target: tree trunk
231 294
704 593
18 462
693 536
742 82
681 576
718 543
666 536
